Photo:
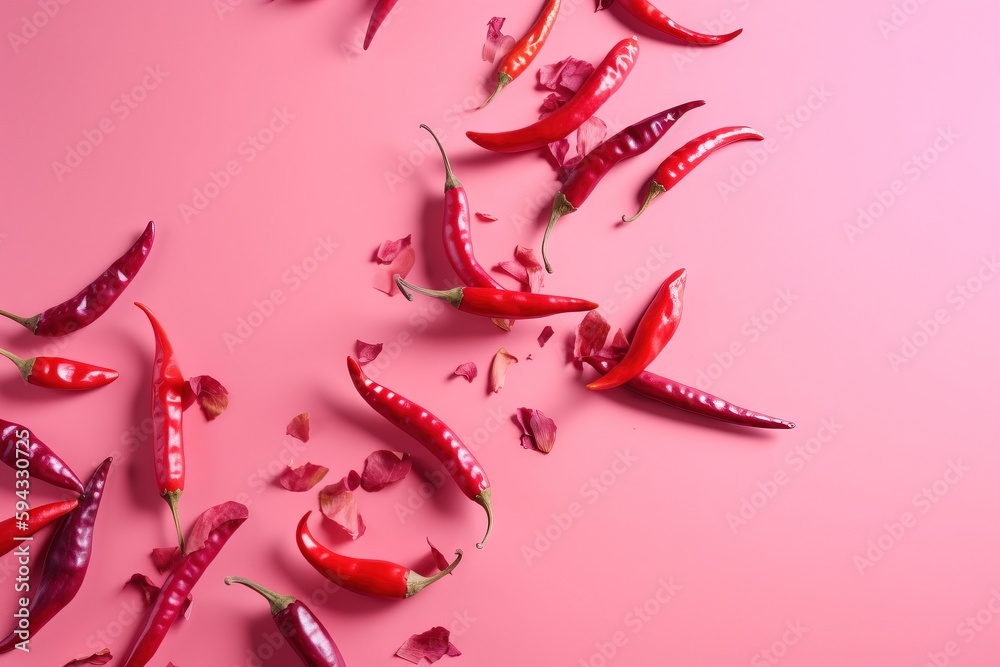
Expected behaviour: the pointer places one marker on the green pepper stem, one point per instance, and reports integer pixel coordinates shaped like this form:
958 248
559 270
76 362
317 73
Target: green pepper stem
450 182
452 296
29 323
560 207
417 582
655 189
502 80
278 602
172 498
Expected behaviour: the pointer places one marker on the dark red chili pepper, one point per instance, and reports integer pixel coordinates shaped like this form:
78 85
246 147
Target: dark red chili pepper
377 578
655 329
433 434
654 18
17 529
525 49
303 630
679 163
94 299
499 303
17 442
168 422
65 564
59 373
595 91
587 173
379 14
688 398
175 590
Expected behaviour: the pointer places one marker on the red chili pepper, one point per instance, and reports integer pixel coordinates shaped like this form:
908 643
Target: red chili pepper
525 49
379 14
433 434
655 329
168 421
173 594
19 528
680 163
296 622
377 578
66 561
595 91
94 299
654 18
688 398
499 303
59 373
19 443
588 172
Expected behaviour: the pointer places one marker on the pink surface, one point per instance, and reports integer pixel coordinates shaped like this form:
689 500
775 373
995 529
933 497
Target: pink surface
865 536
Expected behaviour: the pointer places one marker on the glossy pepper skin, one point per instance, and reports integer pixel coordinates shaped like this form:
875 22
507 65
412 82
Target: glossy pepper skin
581 180
66 560
379 14
59 373
375 578
171 599
645 12
430 432
303 630
168 421
13 531
656 327
525 49
607 78
17 442
500 303
94 299
683 397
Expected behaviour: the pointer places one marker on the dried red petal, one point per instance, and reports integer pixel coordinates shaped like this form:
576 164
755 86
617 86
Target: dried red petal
433 645
590 335
565 76
546 334
551 102
102 657
468 370
145 585
498 369
298 428
590 134
486 217
389 250
366 352
384 277
497 44
619 345
384 467
212 397
340 505
302 478
439 560
532 267
543 430
164 558
211 519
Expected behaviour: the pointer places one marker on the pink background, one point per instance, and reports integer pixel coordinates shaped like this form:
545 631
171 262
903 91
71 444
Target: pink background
847 101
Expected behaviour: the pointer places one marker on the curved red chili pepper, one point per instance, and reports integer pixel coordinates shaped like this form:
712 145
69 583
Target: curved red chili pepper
303 630
66 561
595 91
433 434
17 442
15 530
680 163
376 578
499 303
175 590
525 49
654 18
656 327
94 299
59 373
683 397
168 421
379 14
581 180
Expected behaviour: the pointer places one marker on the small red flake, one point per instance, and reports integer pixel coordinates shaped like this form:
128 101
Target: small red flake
439 560
468 370
433 645
164 558
145 585
384 280
211 519
497 44
302 478
486 217
590 335
212 397
102 657
366 352
546 334
298 428
339 504
389 250
384 467
498 369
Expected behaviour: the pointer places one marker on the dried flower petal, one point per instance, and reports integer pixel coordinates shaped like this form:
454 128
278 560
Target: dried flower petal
502 324
102 657
384 467
439 560
516 271
546 334
339 504
433 645
384 277
468 370
211 519
498 369
497 44
212 397
619 345
302 478
366 352
298 428
565 76
164 558
145 585
590 335
389 250
543 430
532 267
551 102
486 217
589 135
